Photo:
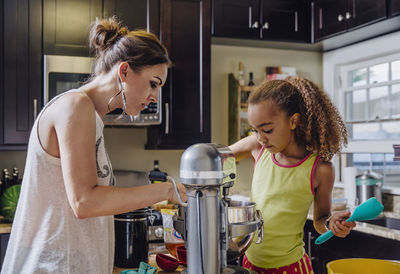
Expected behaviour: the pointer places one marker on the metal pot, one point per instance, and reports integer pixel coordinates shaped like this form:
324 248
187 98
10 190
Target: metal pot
369 184
243 221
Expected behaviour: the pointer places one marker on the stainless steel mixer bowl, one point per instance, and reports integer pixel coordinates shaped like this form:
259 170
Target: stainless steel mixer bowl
240 212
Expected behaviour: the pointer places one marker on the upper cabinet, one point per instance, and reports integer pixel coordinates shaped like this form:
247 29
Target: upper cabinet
332 17
136 14
20 70
282 20
236 18
66 23
186 103
394 7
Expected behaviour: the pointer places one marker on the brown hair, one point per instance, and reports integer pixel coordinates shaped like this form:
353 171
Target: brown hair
113 43
321 128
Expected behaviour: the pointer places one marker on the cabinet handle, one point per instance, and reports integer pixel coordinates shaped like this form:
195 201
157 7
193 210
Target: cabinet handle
34 109
340 18
348 15
309 240
266 25
320 18
296 24
166 118
255 25
250 19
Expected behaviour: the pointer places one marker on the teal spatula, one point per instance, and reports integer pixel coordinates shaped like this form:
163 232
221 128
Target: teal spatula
368 210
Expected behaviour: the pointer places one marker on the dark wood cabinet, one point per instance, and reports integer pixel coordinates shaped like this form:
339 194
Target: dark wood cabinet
281 20
136 14
21 64
186 102
66 25
236 18
333 17
356 245
285 20
394 7
3 246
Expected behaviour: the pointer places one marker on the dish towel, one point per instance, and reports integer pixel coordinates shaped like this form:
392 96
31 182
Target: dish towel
143 269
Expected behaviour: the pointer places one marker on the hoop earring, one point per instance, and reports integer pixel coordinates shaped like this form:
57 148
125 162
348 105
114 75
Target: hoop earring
123 102
116 94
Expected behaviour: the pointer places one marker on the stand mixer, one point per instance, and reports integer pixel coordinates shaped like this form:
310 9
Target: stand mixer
216 229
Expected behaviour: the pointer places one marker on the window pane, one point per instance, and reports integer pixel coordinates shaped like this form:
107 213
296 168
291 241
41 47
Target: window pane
355 102
381 163
379 73
379 103
395 101
374 131
396 70
358 77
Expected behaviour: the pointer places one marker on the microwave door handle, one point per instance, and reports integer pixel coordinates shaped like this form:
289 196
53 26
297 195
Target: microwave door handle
166 118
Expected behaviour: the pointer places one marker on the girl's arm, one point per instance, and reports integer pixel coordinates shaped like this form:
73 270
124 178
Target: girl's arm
246 148
75 133
324 178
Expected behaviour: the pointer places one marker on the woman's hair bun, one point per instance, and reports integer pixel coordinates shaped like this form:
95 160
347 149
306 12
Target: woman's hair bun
105 32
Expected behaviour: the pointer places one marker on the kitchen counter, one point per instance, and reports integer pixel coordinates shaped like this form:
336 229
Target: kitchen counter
5 228
376 230
152 262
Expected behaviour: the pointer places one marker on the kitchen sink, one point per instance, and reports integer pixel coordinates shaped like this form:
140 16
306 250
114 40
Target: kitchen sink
387 222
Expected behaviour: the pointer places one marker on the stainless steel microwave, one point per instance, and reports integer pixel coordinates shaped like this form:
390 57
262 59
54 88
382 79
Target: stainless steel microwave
62 73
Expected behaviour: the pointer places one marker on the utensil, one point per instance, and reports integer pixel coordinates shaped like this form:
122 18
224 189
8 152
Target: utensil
368 210
168 263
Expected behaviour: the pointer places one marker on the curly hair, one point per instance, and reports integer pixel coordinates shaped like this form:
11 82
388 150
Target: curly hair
321 128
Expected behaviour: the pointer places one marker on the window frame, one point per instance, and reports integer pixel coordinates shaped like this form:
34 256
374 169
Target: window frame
376 48
374 146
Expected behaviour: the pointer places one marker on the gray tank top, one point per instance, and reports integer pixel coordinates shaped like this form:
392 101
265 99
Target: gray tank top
46 237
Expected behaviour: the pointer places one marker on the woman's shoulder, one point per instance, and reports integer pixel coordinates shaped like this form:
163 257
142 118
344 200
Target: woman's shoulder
72 106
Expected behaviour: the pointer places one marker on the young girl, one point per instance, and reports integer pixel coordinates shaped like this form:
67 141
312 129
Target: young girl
297 131
64 222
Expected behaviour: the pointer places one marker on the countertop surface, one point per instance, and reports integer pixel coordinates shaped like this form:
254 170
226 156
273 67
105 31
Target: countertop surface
5 227
152 262
376 230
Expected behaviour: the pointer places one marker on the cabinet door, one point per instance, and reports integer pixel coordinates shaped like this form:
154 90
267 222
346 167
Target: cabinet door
236 18
310 234
284 20
394 7
136 14
66 25
3 246
329 18
362 12
185 31
21 68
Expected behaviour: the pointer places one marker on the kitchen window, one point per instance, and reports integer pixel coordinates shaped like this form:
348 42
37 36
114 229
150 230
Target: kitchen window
369 97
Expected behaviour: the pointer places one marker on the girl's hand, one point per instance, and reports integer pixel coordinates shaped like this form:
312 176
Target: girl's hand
172 194
339 226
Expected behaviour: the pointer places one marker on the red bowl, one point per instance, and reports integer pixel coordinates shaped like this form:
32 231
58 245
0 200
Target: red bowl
166 262
181 251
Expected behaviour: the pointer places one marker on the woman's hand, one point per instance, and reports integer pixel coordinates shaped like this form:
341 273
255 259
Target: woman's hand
172 194
339 226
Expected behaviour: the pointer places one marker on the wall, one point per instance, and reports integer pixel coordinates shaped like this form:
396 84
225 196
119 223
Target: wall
126 145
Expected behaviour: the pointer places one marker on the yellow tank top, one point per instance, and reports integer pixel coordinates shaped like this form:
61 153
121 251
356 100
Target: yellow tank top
284 195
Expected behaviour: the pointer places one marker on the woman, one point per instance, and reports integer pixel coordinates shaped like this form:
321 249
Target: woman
64 222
